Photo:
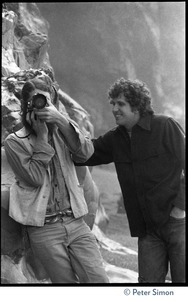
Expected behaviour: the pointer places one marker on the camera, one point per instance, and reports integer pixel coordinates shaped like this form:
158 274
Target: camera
38 101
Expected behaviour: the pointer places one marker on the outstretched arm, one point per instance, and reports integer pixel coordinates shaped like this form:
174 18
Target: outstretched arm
103 151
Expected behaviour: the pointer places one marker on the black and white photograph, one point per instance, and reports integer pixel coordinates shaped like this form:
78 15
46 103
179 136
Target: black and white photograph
93 148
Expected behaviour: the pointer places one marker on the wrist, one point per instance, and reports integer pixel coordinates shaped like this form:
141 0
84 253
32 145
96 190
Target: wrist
61 120
42 138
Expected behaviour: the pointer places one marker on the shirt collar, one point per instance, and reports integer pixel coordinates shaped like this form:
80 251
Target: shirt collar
145 122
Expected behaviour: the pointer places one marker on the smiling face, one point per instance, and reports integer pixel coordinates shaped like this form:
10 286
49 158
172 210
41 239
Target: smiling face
123 112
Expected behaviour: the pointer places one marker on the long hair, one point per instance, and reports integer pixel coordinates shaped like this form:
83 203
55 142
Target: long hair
136 94
44 84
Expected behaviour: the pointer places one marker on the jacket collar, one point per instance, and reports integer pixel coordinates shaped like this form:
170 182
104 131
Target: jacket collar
145 122
23 132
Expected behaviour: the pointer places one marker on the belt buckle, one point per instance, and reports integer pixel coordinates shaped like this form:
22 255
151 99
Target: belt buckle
52 220
59 216
69 213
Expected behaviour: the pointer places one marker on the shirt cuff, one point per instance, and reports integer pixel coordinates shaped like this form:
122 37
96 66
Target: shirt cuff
80 136
43 152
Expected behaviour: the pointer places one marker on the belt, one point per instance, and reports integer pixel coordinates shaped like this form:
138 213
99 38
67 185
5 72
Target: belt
58 216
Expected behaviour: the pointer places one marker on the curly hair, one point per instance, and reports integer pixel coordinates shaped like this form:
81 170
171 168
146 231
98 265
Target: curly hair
136 94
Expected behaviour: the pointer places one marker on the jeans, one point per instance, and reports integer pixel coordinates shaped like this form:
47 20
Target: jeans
68 251
161 248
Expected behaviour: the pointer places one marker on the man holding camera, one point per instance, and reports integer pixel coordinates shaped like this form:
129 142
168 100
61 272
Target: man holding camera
46 196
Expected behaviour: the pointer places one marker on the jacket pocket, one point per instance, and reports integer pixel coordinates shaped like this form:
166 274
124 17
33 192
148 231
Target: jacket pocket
159 201
157 164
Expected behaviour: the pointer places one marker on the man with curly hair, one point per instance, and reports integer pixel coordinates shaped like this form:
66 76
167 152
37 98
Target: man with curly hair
148 152
46 196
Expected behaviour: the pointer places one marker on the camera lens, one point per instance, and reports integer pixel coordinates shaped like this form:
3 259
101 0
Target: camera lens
39 101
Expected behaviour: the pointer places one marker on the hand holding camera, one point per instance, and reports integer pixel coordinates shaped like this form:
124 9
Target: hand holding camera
42 110
38 126
50 114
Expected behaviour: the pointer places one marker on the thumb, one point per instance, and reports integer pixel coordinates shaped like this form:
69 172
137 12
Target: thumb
49 102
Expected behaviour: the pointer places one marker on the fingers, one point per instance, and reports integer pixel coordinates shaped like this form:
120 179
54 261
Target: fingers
37 124
49 102
30 117
33 117
42 115
47 114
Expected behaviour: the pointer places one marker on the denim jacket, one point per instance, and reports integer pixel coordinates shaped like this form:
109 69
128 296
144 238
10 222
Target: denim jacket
30 163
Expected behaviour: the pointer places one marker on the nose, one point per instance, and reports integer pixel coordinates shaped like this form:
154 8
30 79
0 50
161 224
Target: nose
115 107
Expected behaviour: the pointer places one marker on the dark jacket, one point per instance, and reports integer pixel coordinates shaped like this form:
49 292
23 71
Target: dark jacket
149 169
